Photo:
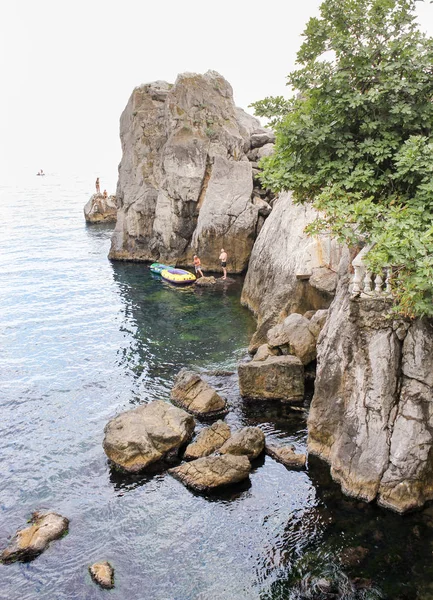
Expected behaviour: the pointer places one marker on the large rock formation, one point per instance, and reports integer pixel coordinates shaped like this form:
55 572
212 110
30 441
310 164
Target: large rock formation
142 437
185 180
283 260
371 416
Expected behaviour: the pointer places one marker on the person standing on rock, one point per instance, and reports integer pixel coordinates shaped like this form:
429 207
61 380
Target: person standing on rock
98 189
197 265
223 259
105 194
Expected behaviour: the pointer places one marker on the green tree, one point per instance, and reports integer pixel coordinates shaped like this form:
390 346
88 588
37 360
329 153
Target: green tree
356 138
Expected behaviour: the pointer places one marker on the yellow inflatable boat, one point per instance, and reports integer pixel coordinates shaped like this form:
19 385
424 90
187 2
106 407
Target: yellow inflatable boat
178 276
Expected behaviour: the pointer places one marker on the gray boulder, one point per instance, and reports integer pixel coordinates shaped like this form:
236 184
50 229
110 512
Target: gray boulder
287 456
143 437
102 573
208 441
276 378
262 137
196 396
33 540
324 280
212 472
248 441
317 322
293 336
101 210
264 351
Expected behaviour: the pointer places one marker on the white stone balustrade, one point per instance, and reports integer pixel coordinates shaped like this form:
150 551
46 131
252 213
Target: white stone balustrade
366 284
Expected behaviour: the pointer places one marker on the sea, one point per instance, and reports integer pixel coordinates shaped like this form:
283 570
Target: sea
83 339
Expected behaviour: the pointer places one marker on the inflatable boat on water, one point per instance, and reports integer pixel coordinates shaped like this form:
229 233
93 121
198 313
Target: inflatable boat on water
173 275
178 276
158 267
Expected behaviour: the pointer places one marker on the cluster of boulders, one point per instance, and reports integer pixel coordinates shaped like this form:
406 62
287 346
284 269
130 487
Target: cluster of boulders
277 370
30 542
101 209
154 436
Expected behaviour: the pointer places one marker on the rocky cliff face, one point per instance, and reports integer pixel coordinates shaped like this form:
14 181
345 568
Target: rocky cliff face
283 262
185 181
371 416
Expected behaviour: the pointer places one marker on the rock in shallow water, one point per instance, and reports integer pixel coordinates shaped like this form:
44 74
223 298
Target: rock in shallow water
100 209
287 456
196 396
205 281
139 438
31 541
276 378
208 440
249 441
103 574
212 472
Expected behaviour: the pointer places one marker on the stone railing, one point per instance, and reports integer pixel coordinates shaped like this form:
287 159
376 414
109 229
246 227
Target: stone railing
366 284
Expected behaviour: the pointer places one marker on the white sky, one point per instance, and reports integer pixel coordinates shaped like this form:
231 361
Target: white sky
67 69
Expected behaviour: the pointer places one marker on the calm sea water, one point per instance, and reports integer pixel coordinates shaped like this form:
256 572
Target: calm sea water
81 340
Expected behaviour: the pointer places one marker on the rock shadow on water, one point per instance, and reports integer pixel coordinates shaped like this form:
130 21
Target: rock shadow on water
127 482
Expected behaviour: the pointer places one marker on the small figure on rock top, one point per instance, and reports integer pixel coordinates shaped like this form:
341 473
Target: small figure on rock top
197 265
98 189
223 259
105 194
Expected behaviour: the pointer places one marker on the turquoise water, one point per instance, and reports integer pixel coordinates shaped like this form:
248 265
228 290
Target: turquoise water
82 339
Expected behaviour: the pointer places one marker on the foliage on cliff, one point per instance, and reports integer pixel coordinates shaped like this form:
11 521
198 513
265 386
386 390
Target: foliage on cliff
356 139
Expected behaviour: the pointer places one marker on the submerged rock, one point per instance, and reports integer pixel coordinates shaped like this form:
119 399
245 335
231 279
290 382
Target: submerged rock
287 456
248 441
138 438
212 472
32 541
100 209
196 396
208 441
103 574
276 378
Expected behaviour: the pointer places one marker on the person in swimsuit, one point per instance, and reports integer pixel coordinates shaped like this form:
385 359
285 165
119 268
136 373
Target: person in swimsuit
223 259
197 265
105 194
98 189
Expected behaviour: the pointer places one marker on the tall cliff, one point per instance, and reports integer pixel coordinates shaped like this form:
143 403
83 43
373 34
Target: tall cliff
288 271
371 416
185 180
